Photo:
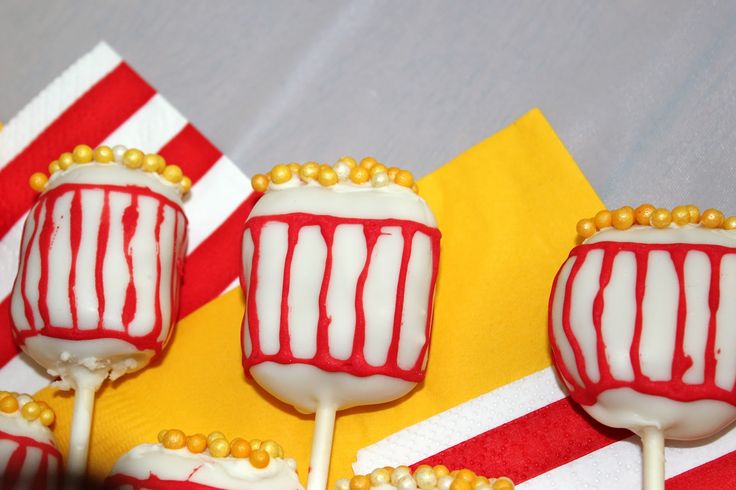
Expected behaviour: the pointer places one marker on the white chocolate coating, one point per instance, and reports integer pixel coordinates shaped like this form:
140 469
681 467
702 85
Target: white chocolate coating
306 386
105 264
348 210
15 436
673 390
180 465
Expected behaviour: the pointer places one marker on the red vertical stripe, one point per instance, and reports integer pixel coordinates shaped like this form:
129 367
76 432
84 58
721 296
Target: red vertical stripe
103 233
371 233
75 235
90 119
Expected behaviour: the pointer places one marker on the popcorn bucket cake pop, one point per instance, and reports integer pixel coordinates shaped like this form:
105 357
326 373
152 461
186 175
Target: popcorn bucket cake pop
101 258
29 457
642 323
424 477
199 462
339 268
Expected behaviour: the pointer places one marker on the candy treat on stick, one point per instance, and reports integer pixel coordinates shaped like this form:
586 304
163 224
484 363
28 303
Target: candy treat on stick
339 268
641 322
29 457
97 290
423 477
199 462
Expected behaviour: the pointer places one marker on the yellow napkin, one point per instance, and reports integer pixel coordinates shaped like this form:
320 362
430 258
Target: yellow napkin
507 209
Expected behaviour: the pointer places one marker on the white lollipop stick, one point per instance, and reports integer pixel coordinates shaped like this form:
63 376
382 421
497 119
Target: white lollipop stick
84 401
319 463
652 441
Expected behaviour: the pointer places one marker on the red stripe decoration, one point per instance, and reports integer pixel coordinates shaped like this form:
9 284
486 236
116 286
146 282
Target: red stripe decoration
88 120
520 449
718 473
212 266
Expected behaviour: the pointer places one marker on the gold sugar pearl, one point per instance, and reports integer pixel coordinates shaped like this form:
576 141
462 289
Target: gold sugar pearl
392 173
379 167
219 448
255 444
82 154
151 162
272 448
174 439
503 483
214 436
368 162
197 443
586 228
460 484
133 158
425 477
31 411
481 480
240 448
173 174
349 161
467 475
360 482
103 154
680 215
9 404
47 417
602 219
161 435
327 176
661 218
185 184
54 167
309 171
730 223
259 458
404 178
280 174
643 214
359 175
66 160
712 218
380 476
294 167
38 181
441 470
259 183
623 218
694 213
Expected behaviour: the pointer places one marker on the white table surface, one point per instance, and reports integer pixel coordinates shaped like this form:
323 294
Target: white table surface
643 94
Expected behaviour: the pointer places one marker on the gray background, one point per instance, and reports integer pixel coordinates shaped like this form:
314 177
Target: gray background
642 93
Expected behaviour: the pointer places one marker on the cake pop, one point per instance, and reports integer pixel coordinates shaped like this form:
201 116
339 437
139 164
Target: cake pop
29 457
641 323
204 462
339 268
101 257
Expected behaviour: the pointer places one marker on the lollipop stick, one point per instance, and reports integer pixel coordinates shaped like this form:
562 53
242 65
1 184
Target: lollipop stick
84 401
653 450
319 464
